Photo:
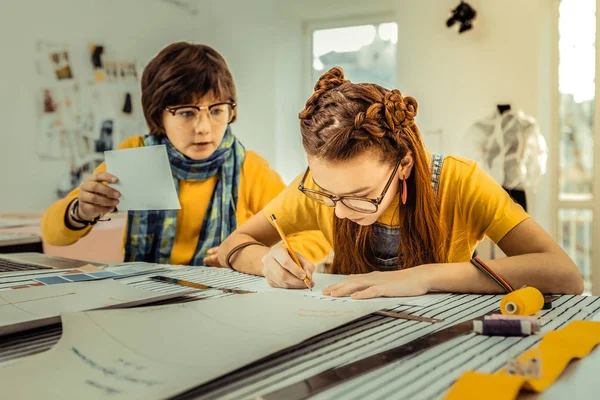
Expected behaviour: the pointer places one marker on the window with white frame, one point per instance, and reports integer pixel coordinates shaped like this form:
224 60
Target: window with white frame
366 51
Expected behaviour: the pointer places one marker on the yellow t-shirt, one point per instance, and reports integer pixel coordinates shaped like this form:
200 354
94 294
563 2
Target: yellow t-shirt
472 205
259 184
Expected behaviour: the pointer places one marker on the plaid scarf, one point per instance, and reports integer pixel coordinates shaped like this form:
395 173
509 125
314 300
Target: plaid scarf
150 234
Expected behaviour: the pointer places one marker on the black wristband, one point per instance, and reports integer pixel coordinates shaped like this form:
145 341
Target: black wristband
73 208
68 224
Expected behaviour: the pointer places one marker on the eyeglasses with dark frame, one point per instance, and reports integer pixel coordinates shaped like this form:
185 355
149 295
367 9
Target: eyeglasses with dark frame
360 204
220 113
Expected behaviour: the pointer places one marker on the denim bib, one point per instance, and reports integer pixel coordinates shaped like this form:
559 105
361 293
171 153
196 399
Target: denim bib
386 239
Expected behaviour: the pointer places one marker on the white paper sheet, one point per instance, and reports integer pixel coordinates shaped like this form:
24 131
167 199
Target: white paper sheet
157 352
145 179
324 280
22 309
226 278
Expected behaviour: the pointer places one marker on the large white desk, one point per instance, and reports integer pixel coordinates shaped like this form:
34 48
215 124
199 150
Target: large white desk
426 376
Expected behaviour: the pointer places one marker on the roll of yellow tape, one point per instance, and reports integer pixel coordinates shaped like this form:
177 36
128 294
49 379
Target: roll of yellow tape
525 301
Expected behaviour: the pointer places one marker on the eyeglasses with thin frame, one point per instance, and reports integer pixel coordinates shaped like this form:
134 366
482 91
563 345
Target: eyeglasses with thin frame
219 113
360 204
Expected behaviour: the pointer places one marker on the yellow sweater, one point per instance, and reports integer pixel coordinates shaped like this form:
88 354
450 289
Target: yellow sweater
259 184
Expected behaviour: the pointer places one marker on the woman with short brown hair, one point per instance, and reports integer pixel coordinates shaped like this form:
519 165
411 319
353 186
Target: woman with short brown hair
189 102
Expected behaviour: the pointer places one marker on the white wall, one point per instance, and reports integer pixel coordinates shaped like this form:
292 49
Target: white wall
131 31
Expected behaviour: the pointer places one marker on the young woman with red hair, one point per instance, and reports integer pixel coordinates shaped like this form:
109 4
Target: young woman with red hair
402 221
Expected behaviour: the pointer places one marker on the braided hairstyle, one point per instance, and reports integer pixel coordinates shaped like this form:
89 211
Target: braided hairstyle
342 120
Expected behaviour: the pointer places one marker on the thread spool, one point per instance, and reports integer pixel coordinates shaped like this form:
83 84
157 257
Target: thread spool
500 327
536 324
525 301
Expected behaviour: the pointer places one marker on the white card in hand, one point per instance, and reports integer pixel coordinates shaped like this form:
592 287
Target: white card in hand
145 179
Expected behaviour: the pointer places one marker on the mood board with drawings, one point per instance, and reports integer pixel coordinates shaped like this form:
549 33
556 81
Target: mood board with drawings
129 365
87 101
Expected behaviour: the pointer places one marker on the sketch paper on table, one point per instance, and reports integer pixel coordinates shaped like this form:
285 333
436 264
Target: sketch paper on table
324 280
226 278
30 308
157 352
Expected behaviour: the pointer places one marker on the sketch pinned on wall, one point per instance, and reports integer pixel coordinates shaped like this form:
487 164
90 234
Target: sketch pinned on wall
53 61
54 99
96 52
60 115
82 145
127 106
53 137
102 104
50 63
121 71
111 70
108 68
50 105
52 134
62 66
131 70
81 117
105 141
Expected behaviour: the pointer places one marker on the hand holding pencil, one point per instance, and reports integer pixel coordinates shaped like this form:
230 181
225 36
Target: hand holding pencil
283 267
